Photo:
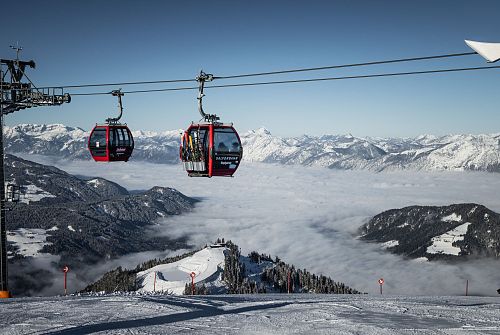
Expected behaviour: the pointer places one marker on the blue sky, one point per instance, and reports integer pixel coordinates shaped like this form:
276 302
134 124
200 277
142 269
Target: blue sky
111 41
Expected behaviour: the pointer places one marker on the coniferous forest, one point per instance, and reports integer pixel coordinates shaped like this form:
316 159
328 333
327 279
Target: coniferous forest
276 277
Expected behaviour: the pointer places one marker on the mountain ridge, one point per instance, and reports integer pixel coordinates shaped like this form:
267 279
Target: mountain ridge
425 152
219 268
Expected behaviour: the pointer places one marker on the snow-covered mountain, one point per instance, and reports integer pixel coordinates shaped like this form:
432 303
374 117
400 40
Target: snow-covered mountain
68 220
450 152
430 232
218 269
61 141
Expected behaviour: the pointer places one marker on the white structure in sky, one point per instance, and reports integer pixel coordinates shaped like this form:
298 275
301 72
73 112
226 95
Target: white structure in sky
489 51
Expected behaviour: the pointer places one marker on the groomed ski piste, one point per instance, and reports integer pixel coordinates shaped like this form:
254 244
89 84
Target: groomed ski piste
250 314
206 264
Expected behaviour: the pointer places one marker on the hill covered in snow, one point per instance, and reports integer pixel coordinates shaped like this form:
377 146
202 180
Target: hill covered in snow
218 269
63 219
450 152
452 233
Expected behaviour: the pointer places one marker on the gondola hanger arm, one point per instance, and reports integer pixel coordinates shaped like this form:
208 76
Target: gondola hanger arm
201 79
119 94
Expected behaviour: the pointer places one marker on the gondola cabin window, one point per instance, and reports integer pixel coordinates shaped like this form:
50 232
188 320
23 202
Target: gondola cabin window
98 142
226 140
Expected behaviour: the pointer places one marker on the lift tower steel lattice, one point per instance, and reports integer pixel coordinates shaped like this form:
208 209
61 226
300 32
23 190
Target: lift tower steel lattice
16 95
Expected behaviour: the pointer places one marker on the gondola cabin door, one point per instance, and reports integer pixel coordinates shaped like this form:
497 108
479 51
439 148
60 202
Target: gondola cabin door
98 140
227 153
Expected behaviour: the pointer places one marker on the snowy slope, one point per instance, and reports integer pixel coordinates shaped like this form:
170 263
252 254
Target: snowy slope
443 244
207 264
28 242
53 140
425 152
451 232
251 314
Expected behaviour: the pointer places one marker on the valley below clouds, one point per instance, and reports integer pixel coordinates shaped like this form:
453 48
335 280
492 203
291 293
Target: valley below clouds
310 217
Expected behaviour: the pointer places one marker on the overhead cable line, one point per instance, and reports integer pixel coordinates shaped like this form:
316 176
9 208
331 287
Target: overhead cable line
379 75
401 60
127 83
390 61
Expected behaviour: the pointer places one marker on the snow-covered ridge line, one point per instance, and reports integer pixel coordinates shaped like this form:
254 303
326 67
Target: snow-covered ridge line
347 152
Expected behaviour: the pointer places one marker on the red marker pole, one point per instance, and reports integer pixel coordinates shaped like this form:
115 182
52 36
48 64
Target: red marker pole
192 282
288 282
65 270
381 282
154 284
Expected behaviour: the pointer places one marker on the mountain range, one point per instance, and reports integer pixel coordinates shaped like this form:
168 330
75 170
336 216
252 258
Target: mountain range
426 152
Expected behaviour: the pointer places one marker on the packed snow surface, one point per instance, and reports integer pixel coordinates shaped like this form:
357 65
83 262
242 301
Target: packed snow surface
452 217
206 264
390 244
28 241
94 182
251 314
443 244
34 193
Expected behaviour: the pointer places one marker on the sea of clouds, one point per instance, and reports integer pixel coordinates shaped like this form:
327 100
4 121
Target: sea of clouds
310 217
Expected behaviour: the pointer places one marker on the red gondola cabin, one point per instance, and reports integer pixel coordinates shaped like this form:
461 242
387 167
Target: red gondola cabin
210 149
111 143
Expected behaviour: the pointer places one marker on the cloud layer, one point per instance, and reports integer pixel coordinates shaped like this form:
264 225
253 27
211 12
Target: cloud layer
309 217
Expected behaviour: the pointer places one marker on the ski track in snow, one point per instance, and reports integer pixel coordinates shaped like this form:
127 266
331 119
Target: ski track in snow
250 314
172 277
309 217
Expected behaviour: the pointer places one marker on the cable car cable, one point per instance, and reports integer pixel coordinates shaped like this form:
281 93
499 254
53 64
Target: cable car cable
401 60
126 83
394 74
390 61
